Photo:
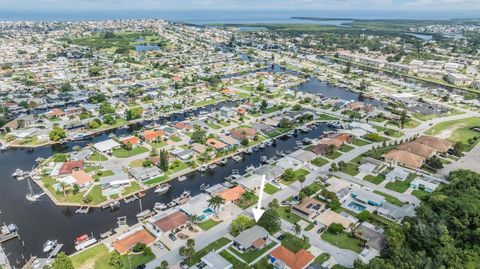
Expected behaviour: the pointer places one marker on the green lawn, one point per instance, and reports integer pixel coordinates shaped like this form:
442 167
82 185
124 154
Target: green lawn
350 169
175 139
97 195
243 204
98 257
458 130
214 126
122 153
263 264
343 240
204 251
400 186
97 157
234 261
250 256
208 224
156 180
293 243
374 179
283 212
359 142
134 187
270 189
327 117
159 144
389 132
319 161
278 132
102 173
321 258
345 148
420 194
389 198
333 155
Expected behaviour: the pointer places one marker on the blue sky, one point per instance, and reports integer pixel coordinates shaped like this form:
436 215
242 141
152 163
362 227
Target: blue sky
239 4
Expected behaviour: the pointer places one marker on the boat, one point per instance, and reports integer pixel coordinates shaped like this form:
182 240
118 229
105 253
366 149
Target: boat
171 204
18 173
163 188
31 196
204 186
262 145
84 241
79 136
114 205
49 245
227 184
307 141
202 168
237 158
212 166
249 168
82 210
274 142
264 159
159 206
145 214
255 148
141 194
182 178
249 151
223 161
3 147
269 143
304 129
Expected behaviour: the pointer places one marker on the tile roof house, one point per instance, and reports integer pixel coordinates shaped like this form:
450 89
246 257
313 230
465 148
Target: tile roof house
308 207
68 167
242 133
442 145
55 113
171 222
321 149
183 126
214 143
404 158
128 240
150 135
133 140
82 178
418 148
232 194
281 257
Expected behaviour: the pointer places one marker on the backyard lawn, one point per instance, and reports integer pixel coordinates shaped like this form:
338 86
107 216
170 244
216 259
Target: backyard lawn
326 117
420 194
389 198
342 240
204 251
359 142
122 153
284 213
374 179
350 169
234 261
97 157
333 155
345 148
400 186
251 255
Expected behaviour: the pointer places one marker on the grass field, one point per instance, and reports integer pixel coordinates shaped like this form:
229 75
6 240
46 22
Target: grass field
250 256
284 213
400 186
270 189
345 148
122 153
374 179
319 162
208 224
97 157
342 240
293 243
359 142
457 130
333 155
390 199
234 261
350 169
204 251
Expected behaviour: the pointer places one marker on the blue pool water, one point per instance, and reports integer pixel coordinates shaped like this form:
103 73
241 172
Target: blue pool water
206 213
356 206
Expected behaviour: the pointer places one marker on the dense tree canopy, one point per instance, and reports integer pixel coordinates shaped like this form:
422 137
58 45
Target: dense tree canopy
445 232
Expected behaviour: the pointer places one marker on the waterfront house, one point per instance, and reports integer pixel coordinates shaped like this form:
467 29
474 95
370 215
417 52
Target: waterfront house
288 162
303 156
232 194
145 173
321 149
128 240
132 140
243 133
198 206
106 146
81 155
367 197
151 135
68 167
183 154
82 178
183 126
283 258
217 145
115 181
168 222
254 238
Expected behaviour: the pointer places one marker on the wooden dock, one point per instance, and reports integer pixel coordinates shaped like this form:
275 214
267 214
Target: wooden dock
7 237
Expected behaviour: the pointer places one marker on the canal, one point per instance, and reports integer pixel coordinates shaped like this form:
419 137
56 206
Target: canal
43 220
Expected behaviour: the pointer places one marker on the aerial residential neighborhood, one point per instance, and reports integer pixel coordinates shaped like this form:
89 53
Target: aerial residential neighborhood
141 141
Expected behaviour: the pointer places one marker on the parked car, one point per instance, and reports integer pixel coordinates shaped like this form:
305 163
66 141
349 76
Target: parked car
141 266
281 237
173 237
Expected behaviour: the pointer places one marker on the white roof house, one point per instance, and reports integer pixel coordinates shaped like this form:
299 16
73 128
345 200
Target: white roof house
398 173
213 260
106 145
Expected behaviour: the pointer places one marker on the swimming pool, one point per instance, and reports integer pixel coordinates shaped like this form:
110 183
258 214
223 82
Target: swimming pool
206 213
356 206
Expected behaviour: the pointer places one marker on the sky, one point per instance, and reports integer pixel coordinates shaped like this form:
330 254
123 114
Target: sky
240 4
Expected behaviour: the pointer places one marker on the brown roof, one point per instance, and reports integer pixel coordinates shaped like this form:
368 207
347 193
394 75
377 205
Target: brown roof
343 137
241 133
81 177
331 141
305 205
67 167
321 149
125 244
56 112
172 221
215 143
151 135
418 148
232 194
404 157
181 125
440 144
259 243
297 260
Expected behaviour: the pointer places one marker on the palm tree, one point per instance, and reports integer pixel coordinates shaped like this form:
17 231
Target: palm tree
248 196
164 265
297 229
64 188
302 179
216 202
194 219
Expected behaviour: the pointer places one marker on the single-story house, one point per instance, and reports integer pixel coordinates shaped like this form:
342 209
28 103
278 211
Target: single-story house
151 135
404 158
308 208
242 133
442 145
270 172
232 194
145 173
418 149
397 173
199 148
82 178
253 238
133 140
198 206
422 184
289 162
281 257
373 235
81 155
114 181
183 126
169 222
394 212
321 149
213 260
218 145
106 146
128 240
367 197
303 156
68 167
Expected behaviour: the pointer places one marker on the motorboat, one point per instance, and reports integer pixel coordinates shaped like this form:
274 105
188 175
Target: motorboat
3 147
182 178
202 168
262 145
163 188
249 151
307 141
249 168
212 166
223 161
204 186
159 206
49 245
114 205
18 173
264 159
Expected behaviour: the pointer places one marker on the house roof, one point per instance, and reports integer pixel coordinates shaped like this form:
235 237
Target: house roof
106 145
151 134
81 177
248 236
232 194
172 221
126 243
321 149
242 133
435 142
67 167
331 141
133 140
418 148
215 143
404 157
182 125
297 260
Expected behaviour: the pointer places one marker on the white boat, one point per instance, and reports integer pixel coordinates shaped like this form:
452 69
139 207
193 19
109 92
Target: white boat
249 151
159 206
264 159
3 147
163 188
202 168
49 245
212 166
204 186
262 146
182 178
237 158
223 161
17 173
249 168
307 141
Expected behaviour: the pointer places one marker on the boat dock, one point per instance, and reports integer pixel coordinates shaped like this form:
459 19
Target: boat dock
55 251
3 259
7 237
130 199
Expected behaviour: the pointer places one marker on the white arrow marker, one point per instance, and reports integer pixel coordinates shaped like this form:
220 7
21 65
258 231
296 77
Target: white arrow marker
258 212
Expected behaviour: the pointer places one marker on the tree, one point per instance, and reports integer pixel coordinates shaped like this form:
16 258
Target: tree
95 123
297 107
364 216
163 265
284 123
434 162
458 148
199 136
188 251
109 119
62 261
403 118
134 113
297 229
288 175
335 228
106 108
163 162
116 260
270 220
194 219
216 202
57 134
301 179
139 247
244 142
240 224
263 105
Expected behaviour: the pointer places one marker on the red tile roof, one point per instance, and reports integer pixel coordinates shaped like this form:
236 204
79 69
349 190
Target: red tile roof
232 194
67 167
133 140
182 125
297 260
125 244
151 135
241 133
172 221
